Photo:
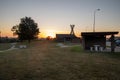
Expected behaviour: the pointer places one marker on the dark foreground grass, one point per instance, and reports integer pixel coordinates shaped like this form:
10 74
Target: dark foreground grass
4 46
43 61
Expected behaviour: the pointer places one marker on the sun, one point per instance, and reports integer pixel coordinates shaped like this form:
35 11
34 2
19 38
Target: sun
50 33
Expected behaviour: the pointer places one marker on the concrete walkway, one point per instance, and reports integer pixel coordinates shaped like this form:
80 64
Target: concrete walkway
12 48
63 46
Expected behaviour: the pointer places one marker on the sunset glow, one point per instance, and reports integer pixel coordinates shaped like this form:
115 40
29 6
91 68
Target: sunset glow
47 33
55 16
50 33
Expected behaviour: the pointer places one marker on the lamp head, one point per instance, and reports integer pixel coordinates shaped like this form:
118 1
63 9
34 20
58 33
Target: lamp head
98 9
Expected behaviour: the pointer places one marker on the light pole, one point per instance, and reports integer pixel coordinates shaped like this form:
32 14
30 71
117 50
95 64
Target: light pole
94 19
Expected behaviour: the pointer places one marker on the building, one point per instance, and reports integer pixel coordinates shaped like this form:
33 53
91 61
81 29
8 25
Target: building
90 39
64 37
68 37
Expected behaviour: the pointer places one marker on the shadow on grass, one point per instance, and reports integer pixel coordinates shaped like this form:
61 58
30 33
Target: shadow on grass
112 55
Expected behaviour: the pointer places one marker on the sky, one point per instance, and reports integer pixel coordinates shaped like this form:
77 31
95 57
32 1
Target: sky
55 16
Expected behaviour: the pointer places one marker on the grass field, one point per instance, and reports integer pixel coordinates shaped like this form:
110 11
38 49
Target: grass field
4 46
43 60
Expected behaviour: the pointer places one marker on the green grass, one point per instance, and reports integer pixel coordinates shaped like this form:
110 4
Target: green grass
43 61
77 49
4 46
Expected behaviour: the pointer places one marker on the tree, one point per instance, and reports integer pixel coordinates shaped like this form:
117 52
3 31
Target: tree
26 30
49 38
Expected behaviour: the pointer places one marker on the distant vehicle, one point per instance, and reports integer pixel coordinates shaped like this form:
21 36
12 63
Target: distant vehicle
117 42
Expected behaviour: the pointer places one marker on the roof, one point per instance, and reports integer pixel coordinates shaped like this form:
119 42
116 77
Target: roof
98 33
64 35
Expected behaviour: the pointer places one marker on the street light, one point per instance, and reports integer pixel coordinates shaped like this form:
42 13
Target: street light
94 19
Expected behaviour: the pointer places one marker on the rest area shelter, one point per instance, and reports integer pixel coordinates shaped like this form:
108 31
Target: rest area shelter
97 39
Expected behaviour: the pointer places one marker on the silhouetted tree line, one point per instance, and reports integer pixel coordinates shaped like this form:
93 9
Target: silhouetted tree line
26 30
8 40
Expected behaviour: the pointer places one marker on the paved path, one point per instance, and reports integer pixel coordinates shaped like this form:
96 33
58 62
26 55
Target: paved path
62 45
12 48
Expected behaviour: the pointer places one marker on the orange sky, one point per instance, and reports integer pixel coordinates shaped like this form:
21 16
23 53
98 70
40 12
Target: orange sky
42 34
